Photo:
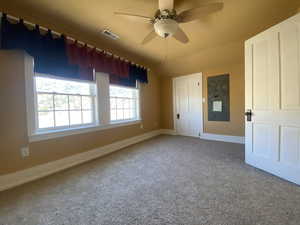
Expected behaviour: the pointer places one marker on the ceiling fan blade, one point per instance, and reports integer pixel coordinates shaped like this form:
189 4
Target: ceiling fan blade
196 13
135 18
149 37
181 36
165 4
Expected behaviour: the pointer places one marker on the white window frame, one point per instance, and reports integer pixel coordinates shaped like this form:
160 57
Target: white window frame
138 108
45 130
102 108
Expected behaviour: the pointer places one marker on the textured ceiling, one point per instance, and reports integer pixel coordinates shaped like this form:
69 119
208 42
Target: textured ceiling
225 30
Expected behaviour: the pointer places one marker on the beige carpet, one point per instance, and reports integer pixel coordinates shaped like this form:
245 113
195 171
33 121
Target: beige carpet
165 180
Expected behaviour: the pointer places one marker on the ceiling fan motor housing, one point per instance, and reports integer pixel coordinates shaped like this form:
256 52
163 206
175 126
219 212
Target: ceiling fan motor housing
165 27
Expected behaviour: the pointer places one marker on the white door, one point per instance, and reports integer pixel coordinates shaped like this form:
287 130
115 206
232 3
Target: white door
273 95
188 105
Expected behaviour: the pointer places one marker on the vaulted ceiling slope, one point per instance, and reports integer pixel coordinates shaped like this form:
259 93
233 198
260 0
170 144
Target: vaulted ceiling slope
236 22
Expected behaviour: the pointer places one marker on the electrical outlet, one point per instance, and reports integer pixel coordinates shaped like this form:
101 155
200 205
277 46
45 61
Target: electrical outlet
25 151
203 100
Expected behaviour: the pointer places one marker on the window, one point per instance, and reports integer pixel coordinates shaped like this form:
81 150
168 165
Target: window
62 104
58 106
124 103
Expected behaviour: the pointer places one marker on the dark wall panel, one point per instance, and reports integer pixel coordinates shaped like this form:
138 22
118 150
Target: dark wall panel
218 98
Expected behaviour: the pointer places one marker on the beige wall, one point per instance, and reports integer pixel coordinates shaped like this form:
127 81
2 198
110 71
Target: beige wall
157 111
166 98
202 62
235 126
13 132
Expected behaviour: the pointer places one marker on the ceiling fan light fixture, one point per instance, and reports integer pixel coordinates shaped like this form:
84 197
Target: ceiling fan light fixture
165 21
165 27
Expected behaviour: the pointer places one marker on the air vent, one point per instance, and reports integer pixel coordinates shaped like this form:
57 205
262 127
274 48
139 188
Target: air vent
110 34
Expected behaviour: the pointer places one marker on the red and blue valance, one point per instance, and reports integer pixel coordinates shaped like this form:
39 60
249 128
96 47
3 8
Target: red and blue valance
62 57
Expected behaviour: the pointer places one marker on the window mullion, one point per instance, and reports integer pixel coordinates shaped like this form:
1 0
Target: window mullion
69 114
135 107
53 103
116 102
123 108
93 98
93 109
81 109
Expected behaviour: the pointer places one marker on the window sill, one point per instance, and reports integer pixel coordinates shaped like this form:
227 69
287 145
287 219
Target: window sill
79 130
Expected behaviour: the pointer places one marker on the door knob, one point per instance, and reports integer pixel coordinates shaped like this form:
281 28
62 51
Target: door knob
249 115
178 116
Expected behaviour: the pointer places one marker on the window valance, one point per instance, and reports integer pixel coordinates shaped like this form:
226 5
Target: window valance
62 57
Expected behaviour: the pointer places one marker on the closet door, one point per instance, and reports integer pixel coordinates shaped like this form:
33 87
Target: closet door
188 105
273 100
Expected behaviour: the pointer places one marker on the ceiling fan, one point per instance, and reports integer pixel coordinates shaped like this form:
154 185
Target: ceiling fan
166 20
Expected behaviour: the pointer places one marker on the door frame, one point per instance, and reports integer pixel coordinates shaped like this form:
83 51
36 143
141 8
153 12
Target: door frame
199 75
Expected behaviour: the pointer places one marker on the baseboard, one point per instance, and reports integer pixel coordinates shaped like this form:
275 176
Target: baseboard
21 177
168 131
213 137
224 138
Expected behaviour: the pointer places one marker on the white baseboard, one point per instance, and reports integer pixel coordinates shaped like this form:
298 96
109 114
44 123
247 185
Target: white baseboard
224 138
168 131
213 137
24 176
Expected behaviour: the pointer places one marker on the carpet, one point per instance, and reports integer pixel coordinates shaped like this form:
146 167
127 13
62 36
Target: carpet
164 180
